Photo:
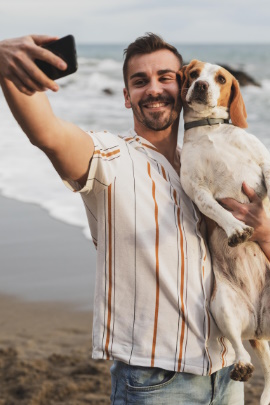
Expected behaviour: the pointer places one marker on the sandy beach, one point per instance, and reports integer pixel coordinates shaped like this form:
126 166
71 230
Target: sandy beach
46 317
45 356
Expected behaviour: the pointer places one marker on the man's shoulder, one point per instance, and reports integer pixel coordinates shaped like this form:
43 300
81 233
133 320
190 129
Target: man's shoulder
116 137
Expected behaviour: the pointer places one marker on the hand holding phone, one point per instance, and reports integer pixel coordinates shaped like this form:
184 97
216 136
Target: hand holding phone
65 48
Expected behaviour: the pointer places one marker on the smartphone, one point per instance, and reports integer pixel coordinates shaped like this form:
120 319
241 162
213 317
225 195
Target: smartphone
65 48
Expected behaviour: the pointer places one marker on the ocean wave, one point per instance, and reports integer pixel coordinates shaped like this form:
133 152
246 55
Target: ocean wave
100 64
99 81
109 65
266 84
259 91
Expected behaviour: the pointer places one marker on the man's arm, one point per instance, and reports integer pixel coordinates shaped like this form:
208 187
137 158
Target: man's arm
252 214
67 146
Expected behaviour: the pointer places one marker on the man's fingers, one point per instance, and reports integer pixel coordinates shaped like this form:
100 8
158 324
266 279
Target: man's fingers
43 39
49 57
21 86
28 81
250 193
38 77
229 203
19 61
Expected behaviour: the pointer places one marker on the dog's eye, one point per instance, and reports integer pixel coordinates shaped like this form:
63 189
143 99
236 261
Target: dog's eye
194 74
221 79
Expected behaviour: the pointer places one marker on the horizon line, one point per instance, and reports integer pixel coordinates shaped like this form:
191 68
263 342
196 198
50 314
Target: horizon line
179 43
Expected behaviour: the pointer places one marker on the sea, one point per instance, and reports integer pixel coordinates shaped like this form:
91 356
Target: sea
92 98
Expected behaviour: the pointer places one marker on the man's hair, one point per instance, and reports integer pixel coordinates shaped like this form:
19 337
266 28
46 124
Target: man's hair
144 45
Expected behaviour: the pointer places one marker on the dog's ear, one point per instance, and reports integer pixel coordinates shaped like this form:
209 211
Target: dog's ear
238 112
183 82
183 73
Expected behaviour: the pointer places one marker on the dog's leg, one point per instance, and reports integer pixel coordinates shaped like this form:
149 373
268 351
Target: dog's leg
237 231
232 318
261 348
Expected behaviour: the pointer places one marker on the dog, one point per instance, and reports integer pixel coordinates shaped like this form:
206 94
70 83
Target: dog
217 157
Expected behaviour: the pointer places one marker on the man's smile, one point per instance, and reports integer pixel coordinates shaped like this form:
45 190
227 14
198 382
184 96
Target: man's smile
156 105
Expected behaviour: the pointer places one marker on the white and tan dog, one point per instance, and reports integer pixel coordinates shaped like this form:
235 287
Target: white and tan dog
217 157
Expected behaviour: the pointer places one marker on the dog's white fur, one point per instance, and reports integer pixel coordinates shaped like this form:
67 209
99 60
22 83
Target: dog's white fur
215 161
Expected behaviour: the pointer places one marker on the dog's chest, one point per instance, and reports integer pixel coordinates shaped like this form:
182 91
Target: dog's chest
221 161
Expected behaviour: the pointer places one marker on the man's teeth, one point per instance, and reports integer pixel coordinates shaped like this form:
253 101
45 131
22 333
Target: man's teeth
155 105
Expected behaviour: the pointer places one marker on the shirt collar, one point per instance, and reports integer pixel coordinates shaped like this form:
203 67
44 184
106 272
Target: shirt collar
152 152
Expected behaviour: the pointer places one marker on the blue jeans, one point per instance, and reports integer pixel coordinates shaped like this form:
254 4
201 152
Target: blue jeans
154 386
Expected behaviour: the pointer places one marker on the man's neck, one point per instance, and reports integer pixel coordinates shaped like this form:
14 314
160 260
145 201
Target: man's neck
165 141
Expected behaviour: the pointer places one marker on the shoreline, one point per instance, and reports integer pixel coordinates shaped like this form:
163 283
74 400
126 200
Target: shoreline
42 258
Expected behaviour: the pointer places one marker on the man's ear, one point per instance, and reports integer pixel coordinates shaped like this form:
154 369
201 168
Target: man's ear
127 98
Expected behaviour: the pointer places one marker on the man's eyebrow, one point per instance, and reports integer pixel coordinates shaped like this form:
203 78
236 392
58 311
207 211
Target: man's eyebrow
164 71
138 74
160 73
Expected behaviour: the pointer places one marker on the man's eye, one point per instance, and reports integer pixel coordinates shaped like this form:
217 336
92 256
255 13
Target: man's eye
139 83
166 78
194 74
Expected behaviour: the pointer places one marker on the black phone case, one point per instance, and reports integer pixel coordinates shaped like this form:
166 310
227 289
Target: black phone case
65 48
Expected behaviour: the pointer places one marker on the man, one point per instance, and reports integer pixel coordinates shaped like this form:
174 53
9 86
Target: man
154 273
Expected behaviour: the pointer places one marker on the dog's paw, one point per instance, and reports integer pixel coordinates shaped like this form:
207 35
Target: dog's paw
242 371
240 236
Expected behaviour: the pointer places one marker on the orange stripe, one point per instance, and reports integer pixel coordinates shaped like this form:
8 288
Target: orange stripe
129 139
157 268
163 172
110 271
181 285
182 281
204 263
144 144
150 147
224 351
98 152
208 316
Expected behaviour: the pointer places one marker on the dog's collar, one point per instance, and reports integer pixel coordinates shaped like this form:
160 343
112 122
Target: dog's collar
206 121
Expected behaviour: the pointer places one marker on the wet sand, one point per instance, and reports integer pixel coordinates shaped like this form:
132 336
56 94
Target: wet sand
45 356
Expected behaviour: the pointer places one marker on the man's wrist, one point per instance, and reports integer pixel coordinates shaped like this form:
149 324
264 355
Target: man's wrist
263 243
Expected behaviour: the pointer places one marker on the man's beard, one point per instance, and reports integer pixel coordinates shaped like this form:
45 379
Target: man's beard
155 121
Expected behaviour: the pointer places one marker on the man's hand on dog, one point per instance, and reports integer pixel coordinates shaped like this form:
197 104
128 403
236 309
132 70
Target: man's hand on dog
252 214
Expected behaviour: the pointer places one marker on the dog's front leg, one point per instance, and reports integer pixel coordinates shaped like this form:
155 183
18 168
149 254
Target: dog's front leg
237 231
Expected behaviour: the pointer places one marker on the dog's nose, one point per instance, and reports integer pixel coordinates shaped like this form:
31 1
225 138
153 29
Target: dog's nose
201 86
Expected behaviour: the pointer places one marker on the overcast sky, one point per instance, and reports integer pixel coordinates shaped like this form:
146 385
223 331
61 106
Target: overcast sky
121 21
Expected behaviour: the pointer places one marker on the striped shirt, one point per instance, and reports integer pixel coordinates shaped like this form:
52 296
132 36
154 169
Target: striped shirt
154 277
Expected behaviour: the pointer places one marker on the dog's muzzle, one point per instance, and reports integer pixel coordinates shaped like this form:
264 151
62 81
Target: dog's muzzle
200 92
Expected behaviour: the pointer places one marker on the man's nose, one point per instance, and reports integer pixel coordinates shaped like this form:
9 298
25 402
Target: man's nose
154 88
